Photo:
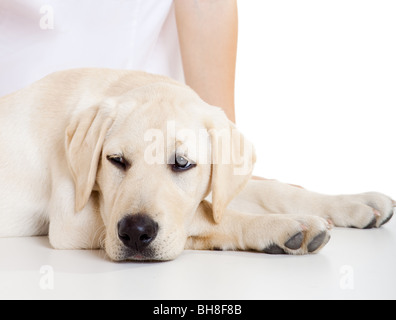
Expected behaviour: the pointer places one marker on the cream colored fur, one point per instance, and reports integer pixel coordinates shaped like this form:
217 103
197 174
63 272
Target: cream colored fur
55 177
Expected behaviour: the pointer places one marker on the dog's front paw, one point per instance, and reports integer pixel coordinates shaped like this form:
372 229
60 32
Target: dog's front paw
363 211
300 235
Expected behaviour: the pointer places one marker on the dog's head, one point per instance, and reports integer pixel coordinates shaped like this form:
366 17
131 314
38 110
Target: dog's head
153 155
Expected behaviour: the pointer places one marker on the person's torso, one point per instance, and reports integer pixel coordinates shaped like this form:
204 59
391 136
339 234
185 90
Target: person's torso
37 38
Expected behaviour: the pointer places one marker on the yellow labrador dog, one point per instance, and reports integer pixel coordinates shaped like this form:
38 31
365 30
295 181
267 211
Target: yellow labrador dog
125 161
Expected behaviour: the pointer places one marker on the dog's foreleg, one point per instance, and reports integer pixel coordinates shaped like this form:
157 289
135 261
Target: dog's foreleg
273 233
366 210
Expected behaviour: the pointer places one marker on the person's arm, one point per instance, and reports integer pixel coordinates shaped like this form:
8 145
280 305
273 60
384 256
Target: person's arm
208 35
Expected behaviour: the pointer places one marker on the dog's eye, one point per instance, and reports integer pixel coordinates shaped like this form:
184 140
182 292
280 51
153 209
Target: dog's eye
182 164
119 162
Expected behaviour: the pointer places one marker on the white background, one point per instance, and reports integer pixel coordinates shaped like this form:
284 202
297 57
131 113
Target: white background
316 92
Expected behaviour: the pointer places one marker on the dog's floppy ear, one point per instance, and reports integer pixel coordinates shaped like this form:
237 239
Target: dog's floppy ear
233 159
84 141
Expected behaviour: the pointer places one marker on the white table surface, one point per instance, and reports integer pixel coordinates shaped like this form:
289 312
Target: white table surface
356 264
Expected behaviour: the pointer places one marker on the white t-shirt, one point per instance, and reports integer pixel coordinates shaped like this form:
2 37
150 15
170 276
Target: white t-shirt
38 37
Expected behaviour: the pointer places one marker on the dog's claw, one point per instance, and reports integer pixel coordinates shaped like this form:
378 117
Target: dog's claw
377 213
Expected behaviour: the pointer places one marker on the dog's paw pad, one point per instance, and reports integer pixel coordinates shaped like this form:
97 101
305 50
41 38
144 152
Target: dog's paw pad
318 241
274 249
295 242
312 234
387 219
372 224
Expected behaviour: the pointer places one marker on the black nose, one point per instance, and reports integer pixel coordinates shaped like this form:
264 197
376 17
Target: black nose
137 231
